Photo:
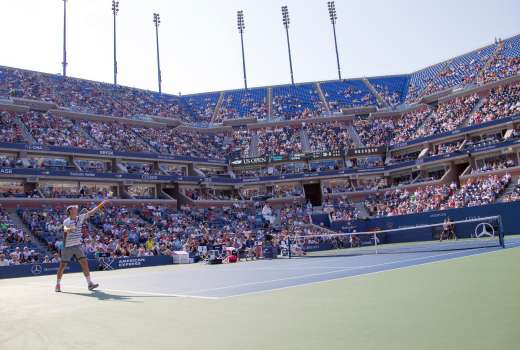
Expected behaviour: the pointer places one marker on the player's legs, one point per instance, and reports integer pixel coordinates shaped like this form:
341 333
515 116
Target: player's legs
84 267
65 256
86 271
453 234
61 270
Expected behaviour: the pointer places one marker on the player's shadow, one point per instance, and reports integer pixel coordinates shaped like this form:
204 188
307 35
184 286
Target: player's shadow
103 296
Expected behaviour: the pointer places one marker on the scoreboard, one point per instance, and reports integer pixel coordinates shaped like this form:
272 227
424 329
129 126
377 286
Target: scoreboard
279 158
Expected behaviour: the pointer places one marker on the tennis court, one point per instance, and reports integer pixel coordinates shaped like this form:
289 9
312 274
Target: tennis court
439 299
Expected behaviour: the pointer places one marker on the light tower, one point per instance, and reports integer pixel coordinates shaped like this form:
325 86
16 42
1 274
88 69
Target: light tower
333 19
241 26
286 21
157 21
115 11
64 62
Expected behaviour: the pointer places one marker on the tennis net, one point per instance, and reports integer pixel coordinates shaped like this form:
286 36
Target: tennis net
485 232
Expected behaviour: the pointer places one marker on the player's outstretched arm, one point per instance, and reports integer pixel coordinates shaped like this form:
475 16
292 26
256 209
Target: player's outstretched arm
98 207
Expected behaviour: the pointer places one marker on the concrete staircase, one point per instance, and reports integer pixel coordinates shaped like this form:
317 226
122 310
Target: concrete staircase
508 190
85 133
475 109
122 168
306 146
363 213
253 147
355 136
17 220
374 92
217 107
489 62
25 132
142 141
269 102
322 97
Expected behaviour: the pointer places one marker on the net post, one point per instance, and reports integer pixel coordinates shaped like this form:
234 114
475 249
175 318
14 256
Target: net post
375 242
501 232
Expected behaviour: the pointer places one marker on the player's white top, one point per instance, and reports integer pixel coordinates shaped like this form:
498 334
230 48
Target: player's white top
74 230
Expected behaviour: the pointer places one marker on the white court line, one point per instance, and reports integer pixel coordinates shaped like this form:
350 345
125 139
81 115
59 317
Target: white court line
132 292
323 273
160 294
515 245
189 295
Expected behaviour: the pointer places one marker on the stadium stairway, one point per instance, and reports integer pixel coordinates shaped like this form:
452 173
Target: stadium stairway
476 108
198 172
144 142
322 97
498 50
305 141
217 107
354 136
363 213
253 147
25 132
122 168
508 190
374 92
86 134
269 102
17 220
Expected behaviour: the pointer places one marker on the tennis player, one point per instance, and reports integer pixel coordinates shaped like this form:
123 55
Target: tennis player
72 226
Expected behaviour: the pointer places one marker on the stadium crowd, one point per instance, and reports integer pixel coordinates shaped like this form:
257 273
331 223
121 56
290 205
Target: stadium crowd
503 101
10 131
150 230
158 230
279 140
479 191
402 201
88 96
15 245
328 136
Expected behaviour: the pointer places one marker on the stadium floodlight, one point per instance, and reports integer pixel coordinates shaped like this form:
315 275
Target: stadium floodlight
115 11
157 21
64 62
333 19
286 21
241 26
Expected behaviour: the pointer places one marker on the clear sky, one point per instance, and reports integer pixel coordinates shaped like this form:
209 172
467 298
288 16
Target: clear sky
200 44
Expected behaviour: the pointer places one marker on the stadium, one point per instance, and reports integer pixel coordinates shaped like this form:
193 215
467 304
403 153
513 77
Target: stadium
369 212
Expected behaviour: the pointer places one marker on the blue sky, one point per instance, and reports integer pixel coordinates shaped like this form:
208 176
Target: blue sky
200 45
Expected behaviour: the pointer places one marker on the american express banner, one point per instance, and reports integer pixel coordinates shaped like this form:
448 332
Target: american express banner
94 264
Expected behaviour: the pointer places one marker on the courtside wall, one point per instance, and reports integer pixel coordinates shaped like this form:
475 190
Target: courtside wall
509 213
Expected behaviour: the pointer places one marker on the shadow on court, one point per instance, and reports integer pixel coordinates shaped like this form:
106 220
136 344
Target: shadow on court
100 295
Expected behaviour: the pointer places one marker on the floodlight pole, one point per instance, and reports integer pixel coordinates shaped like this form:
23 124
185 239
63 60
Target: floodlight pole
333 19
157 21
115 10
64 62
286 21
241 27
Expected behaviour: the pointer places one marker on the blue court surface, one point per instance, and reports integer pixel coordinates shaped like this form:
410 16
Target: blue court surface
231 280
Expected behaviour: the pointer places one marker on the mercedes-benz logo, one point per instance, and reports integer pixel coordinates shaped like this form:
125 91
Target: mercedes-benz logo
36 269
484 229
